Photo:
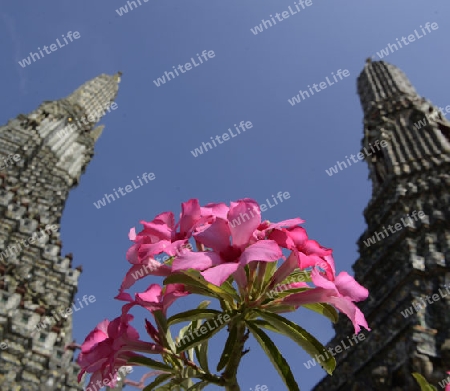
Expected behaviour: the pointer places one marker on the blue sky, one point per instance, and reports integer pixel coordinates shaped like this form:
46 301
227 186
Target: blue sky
250 78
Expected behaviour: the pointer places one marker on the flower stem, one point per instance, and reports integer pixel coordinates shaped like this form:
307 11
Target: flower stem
230 373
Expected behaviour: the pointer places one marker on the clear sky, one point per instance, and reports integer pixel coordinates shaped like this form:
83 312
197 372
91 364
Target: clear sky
250 78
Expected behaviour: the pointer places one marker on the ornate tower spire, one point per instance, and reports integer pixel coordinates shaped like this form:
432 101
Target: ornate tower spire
70 134
405 250
416 133
45 153
96 95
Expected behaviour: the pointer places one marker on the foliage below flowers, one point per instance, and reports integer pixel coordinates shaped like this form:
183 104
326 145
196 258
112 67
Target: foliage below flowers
240 266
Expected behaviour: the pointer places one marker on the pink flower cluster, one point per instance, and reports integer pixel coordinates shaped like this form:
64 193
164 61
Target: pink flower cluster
223 252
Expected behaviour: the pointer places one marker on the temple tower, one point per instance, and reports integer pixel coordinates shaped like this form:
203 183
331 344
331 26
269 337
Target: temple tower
42 157
403 260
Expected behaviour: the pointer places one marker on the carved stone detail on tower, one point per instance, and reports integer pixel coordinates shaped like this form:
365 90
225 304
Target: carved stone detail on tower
399 267
36 347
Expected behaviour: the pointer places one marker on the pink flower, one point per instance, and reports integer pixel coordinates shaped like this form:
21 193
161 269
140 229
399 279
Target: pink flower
226 257
154 298
309 253
162 235
109 346
341 293
149 267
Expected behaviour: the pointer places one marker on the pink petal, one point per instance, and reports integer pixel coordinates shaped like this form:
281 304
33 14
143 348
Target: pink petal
351 310
216 236
189 216
151 295
156 230
320 295
171 293
283 238
176 289
219 274
195 260
103 326
219 210
178 247
311 247
94 337
142 270
150 250
317 263
316 295
123 296
241 278
245 215
152 331
127 307
330 261
285 269
165 218
286 223
348 287
298 236
119 328
321 282
96 376
132 234
264 251
132 253
95 360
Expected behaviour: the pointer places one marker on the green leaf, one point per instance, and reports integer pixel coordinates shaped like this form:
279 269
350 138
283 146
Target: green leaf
424 385
278 295
148 362
163 327
325 309
298 276
190 354
265 324
192 315
193 278
271 268
279 308
171 386
201 352
160 379
187 330
266 270
184 330
198 386
299 335
187 373
204 292
263 274
194 340
204 304
226 290
228 349
277 359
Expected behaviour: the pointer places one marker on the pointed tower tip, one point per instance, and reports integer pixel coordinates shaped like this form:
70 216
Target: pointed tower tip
118 76
97 132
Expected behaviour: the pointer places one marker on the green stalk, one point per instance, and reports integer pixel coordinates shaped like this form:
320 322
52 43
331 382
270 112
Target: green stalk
230 373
